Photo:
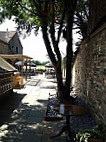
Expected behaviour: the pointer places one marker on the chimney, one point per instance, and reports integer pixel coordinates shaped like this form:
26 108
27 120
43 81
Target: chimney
7 33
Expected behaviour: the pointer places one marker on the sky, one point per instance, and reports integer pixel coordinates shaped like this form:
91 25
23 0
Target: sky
33 46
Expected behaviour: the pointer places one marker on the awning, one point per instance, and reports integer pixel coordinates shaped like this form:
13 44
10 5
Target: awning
19 57
5 66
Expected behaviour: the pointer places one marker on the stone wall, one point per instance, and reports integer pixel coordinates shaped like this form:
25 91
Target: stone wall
90 73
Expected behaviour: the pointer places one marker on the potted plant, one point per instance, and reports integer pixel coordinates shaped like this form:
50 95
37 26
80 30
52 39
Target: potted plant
90 136
82 136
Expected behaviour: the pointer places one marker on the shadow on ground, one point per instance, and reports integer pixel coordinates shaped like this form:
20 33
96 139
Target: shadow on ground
8 105
24 122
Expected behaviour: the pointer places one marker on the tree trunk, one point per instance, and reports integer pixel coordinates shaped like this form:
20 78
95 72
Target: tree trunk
69 63
71 5
56 64
47 42
59 81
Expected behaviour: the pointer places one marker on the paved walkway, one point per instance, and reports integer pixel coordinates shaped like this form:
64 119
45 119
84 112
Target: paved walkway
22 114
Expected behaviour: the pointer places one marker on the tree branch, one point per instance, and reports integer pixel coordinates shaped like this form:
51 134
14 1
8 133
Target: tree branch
52 29
23 7
52 33
38 7
61 25
47 43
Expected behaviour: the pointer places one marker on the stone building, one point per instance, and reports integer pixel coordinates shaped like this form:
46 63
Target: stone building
10 43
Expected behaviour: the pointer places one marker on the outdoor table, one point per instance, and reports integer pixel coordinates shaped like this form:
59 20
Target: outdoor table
67 111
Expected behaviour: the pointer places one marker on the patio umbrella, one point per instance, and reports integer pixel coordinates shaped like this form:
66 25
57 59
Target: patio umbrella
49 65
31 64
19 63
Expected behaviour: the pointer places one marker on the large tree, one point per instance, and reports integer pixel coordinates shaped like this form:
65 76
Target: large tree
54 17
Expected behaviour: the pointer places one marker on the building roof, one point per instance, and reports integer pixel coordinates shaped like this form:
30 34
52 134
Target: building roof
15 56
6 36
5 66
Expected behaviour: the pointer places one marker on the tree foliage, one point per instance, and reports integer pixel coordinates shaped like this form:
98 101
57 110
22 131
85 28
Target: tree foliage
40 63
81 17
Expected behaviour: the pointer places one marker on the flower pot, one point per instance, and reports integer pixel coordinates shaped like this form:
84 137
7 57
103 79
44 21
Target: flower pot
95 140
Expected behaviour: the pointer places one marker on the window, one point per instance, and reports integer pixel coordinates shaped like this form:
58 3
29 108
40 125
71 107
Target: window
16 49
